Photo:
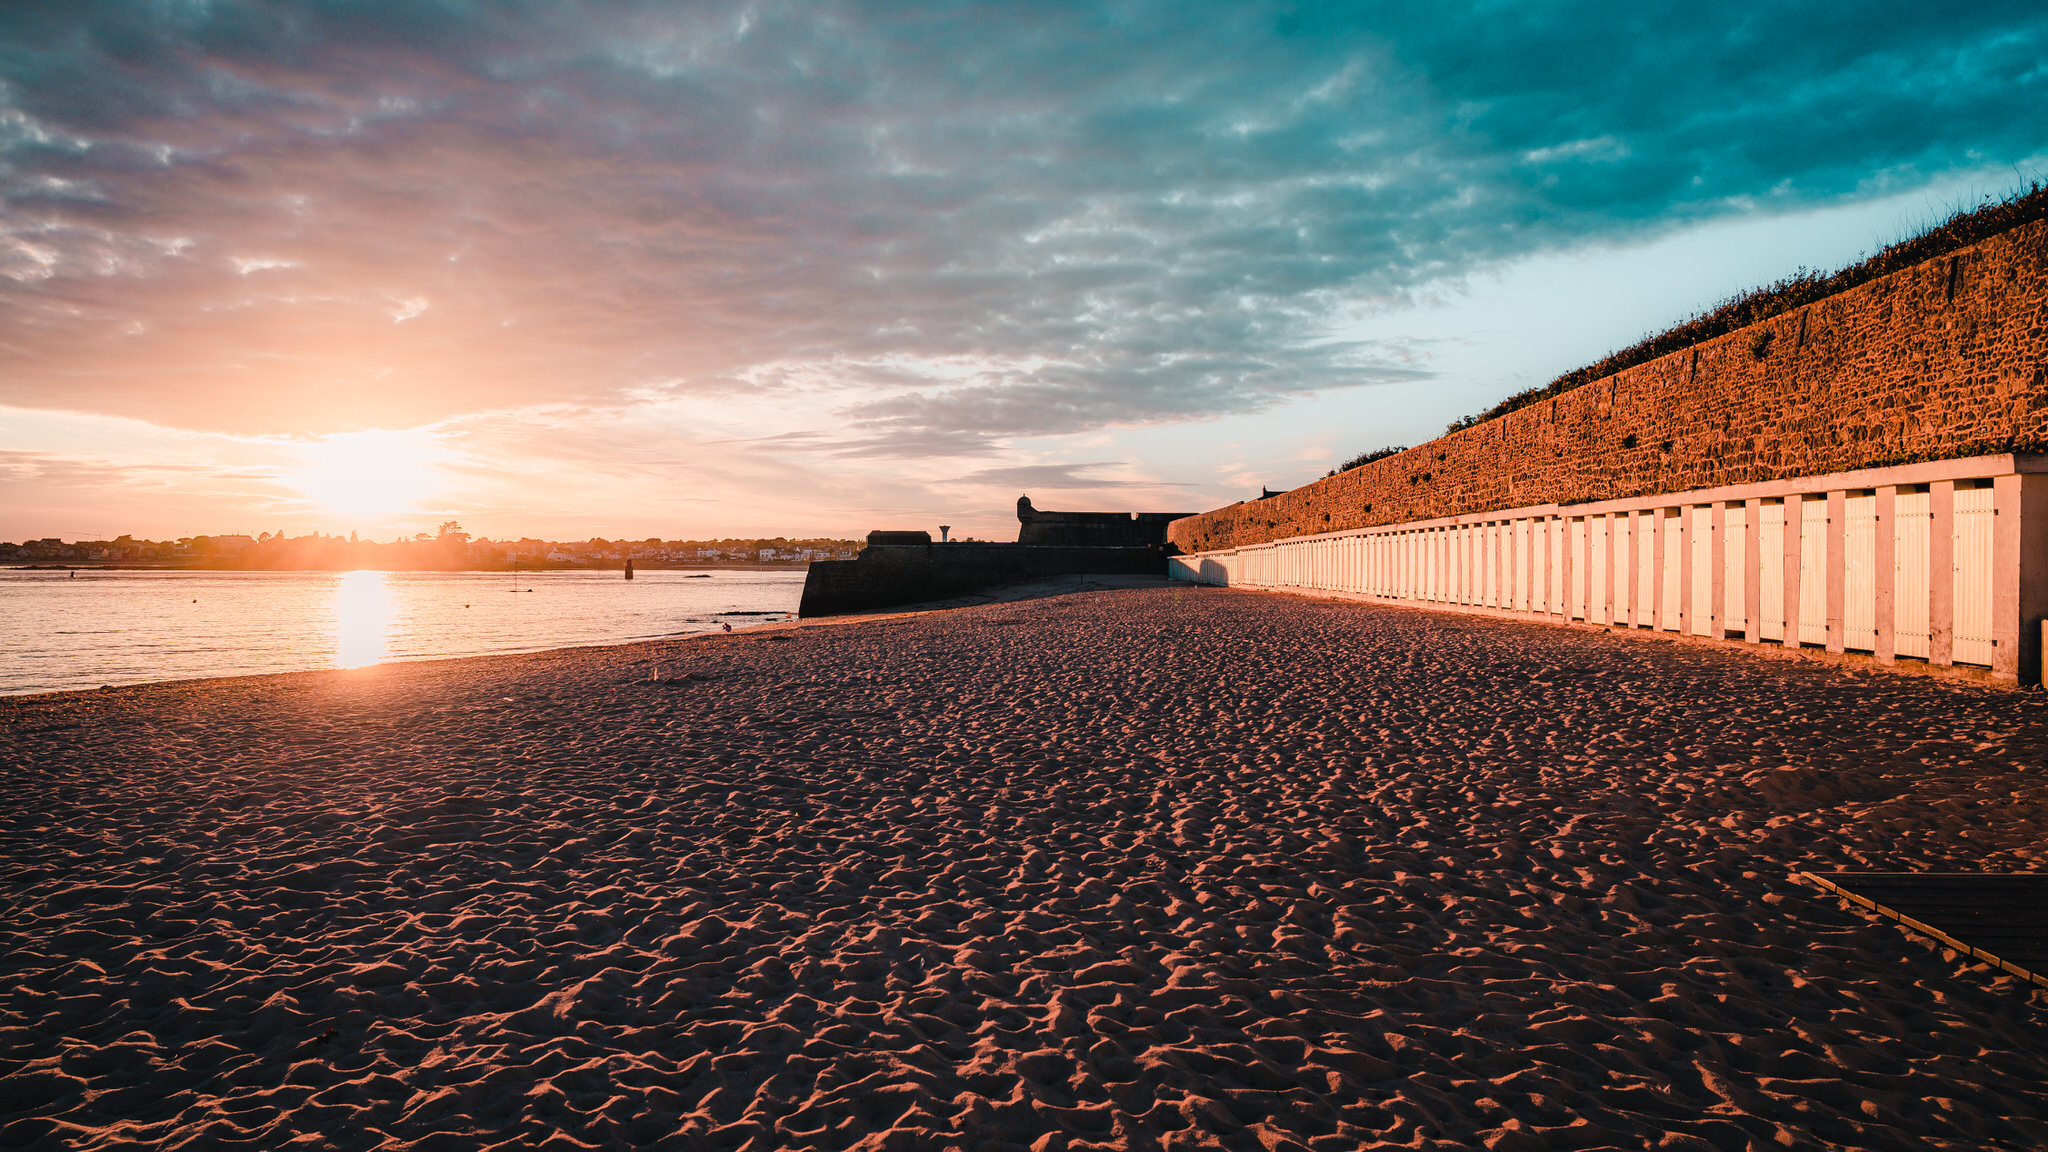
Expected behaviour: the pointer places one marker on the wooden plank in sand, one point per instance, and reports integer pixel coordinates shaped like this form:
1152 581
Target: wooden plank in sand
2000 919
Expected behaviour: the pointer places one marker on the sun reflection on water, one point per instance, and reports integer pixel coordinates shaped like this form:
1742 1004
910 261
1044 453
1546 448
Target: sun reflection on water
362 620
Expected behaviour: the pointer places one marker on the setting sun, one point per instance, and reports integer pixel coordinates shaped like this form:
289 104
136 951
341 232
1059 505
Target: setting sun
367 478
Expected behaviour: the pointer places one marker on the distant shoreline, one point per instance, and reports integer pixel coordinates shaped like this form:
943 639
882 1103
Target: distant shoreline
638 566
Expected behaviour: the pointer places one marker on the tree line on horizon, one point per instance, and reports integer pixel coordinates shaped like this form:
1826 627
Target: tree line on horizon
450 547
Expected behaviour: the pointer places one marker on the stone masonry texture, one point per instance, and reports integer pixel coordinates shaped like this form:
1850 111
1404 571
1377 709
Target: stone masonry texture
1942 360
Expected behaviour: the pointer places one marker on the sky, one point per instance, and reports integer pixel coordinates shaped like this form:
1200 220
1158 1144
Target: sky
570 269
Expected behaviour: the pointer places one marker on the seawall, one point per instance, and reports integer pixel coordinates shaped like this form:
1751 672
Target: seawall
886 575
1942 563
1943 360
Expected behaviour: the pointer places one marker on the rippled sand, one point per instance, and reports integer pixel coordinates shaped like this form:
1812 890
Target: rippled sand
1154 868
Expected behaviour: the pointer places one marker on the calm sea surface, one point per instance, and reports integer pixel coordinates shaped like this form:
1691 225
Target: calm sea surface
59 632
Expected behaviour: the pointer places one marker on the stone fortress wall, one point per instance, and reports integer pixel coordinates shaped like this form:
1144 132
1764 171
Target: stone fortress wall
1942 360
1092 529
1862 475
899 568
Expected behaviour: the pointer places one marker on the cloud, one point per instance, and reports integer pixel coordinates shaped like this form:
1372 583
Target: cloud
1023 476
1122 386
947 226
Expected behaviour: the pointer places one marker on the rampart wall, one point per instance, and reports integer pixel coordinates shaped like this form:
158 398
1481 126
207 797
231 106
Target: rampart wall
887 575
1942 360
1092 529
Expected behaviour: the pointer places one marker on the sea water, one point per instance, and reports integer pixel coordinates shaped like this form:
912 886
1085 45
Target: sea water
59 631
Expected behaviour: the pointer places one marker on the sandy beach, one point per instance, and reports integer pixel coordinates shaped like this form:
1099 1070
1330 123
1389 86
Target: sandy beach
1143 868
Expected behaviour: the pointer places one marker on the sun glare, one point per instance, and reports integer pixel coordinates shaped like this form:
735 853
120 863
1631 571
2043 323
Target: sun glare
367 479
362 620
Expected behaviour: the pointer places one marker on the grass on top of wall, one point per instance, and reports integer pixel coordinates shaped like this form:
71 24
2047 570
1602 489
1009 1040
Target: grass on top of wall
1364 458
1805 286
